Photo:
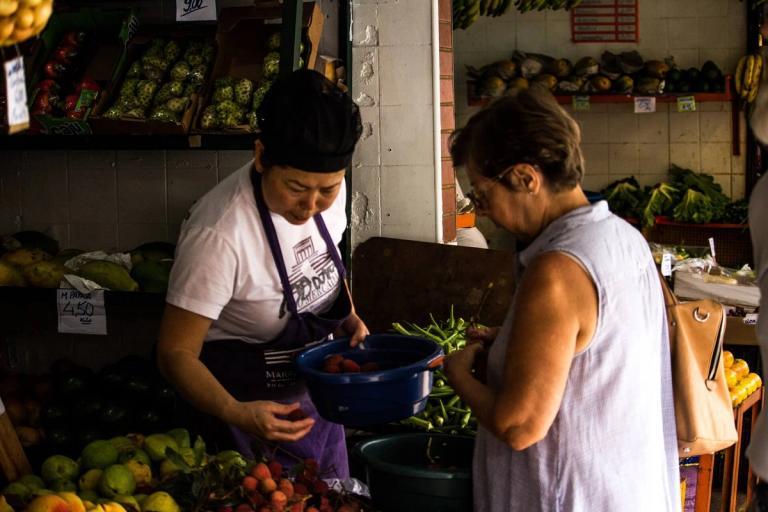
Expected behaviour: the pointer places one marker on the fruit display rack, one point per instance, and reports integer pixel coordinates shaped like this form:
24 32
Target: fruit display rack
473 100
134 141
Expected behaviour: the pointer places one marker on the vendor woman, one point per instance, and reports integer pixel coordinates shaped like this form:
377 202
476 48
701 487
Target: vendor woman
258 277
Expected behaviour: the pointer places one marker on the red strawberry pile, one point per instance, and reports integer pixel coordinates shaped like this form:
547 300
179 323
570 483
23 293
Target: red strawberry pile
65 92
267 489
336 363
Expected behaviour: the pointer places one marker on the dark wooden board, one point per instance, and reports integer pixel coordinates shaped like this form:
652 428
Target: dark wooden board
404 281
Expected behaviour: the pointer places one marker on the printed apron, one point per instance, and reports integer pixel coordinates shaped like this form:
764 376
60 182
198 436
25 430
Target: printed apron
266 371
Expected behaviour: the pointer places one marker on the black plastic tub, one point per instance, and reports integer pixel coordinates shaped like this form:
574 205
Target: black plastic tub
417 472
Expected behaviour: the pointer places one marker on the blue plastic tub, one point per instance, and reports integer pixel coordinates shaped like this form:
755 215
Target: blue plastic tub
398 390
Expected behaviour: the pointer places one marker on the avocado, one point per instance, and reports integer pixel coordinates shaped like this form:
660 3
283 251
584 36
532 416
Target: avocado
674 75
683 86
86 408
60 439
701 85
711 72
113 413
670 87
691 75
54 414
152 275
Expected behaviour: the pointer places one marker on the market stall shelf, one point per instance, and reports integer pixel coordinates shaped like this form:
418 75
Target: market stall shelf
752 405
473 100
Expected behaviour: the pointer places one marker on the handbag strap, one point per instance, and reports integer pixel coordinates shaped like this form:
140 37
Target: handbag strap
669 298
718 352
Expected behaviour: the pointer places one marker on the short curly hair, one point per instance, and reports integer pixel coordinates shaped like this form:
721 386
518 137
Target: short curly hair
529 127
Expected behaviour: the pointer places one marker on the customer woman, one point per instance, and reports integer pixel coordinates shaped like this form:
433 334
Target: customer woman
258 277
577 411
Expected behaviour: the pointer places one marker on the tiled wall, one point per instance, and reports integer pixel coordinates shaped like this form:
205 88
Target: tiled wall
618 142
393 179
111 200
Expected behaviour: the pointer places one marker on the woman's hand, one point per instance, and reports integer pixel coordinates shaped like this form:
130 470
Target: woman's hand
262 418
458 364
482 335
353 327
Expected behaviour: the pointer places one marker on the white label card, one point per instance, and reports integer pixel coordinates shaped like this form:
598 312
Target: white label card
195 10
15 84
712 247
645 104
666 264
686 104
81 313
581 104
750 319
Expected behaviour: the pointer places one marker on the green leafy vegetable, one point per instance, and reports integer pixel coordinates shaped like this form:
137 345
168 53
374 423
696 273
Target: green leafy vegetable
661 200
624 197
695 207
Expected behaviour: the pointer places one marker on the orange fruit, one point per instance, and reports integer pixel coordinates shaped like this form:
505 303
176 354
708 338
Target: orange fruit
731 377
8 7
20 35
741 367
42 13
738 394
25 17
727 358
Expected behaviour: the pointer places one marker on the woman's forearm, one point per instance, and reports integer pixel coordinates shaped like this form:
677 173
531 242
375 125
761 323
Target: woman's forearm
197 385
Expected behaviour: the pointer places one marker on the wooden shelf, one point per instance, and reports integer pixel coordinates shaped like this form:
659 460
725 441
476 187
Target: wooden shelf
96 142
701 97
137 302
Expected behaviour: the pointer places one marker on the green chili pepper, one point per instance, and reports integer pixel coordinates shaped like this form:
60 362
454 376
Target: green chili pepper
465 419
452 401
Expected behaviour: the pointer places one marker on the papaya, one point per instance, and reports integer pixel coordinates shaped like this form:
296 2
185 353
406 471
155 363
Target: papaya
44 274
23 257
10 275
109 275
656 69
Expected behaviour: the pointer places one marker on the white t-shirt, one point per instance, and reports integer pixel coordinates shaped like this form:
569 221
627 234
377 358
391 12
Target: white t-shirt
224 269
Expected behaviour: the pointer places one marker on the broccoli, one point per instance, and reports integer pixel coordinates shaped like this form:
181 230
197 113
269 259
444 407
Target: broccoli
661 199
695 207
624 197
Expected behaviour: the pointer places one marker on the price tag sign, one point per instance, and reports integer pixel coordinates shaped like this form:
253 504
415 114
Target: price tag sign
195 10
750 319
16 93
82 313
666 264
645 104
686 104
581 104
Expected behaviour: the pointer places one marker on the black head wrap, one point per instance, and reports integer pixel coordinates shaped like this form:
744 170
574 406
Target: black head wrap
308 123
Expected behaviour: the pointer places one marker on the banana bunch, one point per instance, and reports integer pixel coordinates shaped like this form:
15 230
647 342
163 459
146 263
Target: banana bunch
749 74
22 19
466 12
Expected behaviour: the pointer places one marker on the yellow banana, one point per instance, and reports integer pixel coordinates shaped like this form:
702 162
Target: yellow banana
758 71
737 76
747 80
753 93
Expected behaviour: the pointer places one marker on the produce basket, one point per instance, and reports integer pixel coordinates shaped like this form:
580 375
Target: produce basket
414 472
733 244
103 123
398 390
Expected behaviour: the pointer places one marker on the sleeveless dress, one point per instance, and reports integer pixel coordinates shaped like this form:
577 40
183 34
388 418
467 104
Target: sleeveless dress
613 445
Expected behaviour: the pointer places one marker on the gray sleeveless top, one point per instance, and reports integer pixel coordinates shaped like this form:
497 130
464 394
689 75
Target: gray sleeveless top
613 445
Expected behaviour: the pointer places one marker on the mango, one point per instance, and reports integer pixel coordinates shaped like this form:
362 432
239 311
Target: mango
44 274
74 501
48 503
109 275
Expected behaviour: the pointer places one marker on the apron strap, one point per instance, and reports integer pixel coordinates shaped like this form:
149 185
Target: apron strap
274 242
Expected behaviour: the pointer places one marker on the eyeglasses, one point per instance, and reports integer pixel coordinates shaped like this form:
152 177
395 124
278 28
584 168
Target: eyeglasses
478 197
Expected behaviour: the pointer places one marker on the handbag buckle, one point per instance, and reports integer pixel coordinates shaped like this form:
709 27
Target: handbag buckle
699 317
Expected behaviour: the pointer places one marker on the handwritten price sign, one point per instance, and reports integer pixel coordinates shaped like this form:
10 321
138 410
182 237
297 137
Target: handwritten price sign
82 313
16 87
195 10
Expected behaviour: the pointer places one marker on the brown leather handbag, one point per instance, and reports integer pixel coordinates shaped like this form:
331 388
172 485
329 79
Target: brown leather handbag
703 409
